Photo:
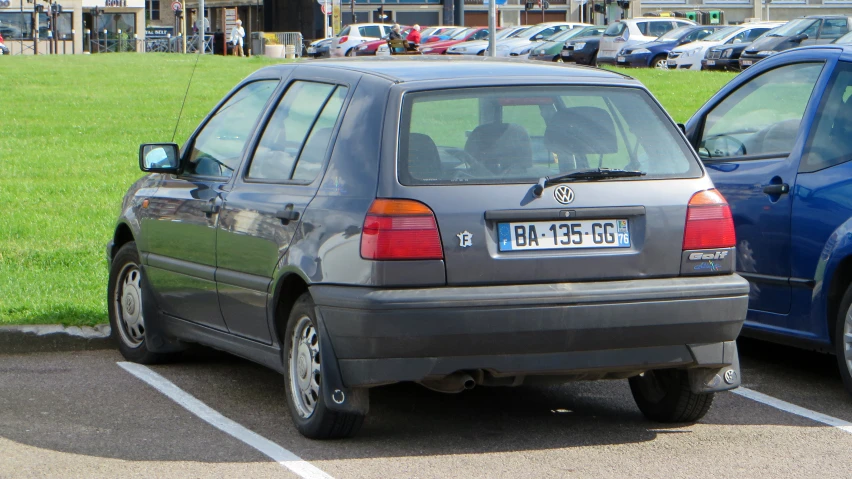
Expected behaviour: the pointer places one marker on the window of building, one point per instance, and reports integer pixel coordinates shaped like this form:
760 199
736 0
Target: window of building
154 9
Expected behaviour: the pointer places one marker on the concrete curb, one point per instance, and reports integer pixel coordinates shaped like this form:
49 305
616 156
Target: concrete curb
53 337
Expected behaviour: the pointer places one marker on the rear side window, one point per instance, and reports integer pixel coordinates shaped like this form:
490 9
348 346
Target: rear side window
371 31
642 27
829 143
833 28
298 132
503 135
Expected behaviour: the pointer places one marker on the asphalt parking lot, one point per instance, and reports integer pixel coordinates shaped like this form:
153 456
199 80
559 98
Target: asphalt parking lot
81 414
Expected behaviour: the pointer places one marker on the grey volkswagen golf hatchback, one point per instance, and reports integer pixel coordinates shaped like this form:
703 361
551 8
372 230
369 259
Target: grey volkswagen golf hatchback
356 223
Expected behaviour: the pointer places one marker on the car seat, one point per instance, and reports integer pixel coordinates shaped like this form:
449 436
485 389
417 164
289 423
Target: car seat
573 133
500 146
424 161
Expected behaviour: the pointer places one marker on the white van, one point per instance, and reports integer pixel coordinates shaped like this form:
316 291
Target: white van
626 33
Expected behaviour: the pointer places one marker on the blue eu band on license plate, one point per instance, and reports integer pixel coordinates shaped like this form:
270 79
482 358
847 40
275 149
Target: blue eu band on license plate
579 234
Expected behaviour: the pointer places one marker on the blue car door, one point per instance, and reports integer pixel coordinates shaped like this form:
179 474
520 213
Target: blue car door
822 207
750 137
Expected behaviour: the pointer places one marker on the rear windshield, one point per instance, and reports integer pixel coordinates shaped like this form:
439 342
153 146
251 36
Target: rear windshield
512 135
615 29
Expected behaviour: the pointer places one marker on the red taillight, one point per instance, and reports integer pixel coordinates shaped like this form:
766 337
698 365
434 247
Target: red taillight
709 223
343 40
400 229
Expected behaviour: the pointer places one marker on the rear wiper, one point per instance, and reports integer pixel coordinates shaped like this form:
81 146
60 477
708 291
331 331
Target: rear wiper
590 174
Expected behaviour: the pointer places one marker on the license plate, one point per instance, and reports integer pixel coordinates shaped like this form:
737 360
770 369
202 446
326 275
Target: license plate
608 53
671 63
620 60
537 235
312 50
747 62
711 62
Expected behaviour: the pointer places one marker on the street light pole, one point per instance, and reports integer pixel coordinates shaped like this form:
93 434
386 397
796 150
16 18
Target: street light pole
492 28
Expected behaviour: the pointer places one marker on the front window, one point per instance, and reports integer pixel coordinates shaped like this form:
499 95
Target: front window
615 29
503 135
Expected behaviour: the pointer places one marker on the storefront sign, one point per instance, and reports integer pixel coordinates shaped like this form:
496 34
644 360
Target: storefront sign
5 3
113 3
159 31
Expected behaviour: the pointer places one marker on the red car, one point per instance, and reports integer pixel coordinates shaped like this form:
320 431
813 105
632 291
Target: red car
440 47
370 48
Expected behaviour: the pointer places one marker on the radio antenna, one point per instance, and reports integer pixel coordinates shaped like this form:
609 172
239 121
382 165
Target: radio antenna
186 94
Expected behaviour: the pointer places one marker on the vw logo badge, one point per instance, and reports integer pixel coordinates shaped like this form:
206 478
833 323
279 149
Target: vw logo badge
563 194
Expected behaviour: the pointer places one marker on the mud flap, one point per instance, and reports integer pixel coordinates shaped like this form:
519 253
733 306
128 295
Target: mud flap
156 339
336 395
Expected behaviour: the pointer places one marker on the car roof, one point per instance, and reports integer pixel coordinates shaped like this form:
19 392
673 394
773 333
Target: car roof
825 16
439 67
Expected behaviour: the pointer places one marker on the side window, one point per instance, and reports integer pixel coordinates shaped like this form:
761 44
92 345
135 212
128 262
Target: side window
812 30
833 28
313 153
642 27
371 31
546 32
739 37
218 147
754 33
655 29
829 143
762 116
480 35
285 135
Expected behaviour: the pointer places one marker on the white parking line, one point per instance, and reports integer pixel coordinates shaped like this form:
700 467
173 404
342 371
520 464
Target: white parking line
277 453
793 409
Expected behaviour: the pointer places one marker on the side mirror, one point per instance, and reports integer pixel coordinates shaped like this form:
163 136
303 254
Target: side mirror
682 127
159 158
800 37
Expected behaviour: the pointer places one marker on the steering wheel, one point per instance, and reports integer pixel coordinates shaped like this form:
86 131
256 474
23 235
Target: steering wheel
728 141
475 168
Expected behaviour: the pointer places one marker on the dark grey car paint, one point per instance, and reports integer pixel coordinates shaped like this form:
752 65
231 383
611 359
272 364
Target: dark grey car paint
324 249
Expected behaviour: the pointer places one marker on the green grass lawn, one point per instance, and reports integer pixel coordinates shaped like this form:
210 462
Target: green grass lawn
71 129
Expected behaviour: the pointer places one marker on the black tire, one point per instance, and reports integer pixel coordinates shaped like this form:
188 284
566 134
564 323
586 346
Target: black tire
350 52
594 61
842 348
321 422
124 302
664 396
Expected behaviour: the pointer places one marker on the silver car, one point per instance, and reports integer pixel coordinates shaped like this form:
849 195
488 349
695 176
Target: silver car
455 223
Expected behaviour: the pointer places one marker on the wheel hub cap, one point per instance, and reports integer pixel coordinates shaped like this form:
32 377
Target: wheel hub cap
305 372
128 306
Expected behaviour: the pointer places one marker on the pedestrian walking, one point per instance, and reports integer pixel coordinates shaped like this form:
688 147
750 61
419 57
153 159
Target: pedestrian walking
237 36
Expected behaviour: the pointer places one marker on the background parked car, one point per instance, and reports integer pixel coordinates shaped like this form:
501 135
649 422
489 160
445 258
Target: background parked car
582 50
353 35
319 48
810 30
689 56
542 31
478 47
378 47
519 48
551 50
439 34
655 53
466 35
776 141
727 55
627 33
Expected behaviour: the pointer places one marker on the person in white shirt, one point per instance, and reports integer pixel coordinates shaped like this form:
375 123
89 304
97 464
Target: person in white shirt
237 36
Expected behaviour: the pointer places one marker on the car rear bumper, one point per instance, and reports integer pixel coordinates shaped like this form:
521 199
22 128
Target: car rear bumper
386 336
641 60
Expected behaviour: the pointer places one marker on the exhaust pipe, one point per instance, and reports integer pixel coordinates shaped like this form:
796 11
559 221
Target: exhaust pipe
453 383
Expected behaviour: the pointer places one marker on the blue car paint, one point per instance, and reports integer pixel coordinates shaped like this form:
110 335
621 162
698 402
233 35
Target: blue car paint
812 253
656 48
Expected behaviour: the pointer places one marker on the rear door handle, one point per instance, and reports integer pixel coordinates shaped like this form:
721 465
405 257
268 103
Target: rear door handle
288 214
781 189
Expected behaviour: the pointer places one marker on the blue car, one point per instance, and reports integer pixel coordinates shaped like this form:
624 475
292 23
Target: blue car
653 54
785 168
